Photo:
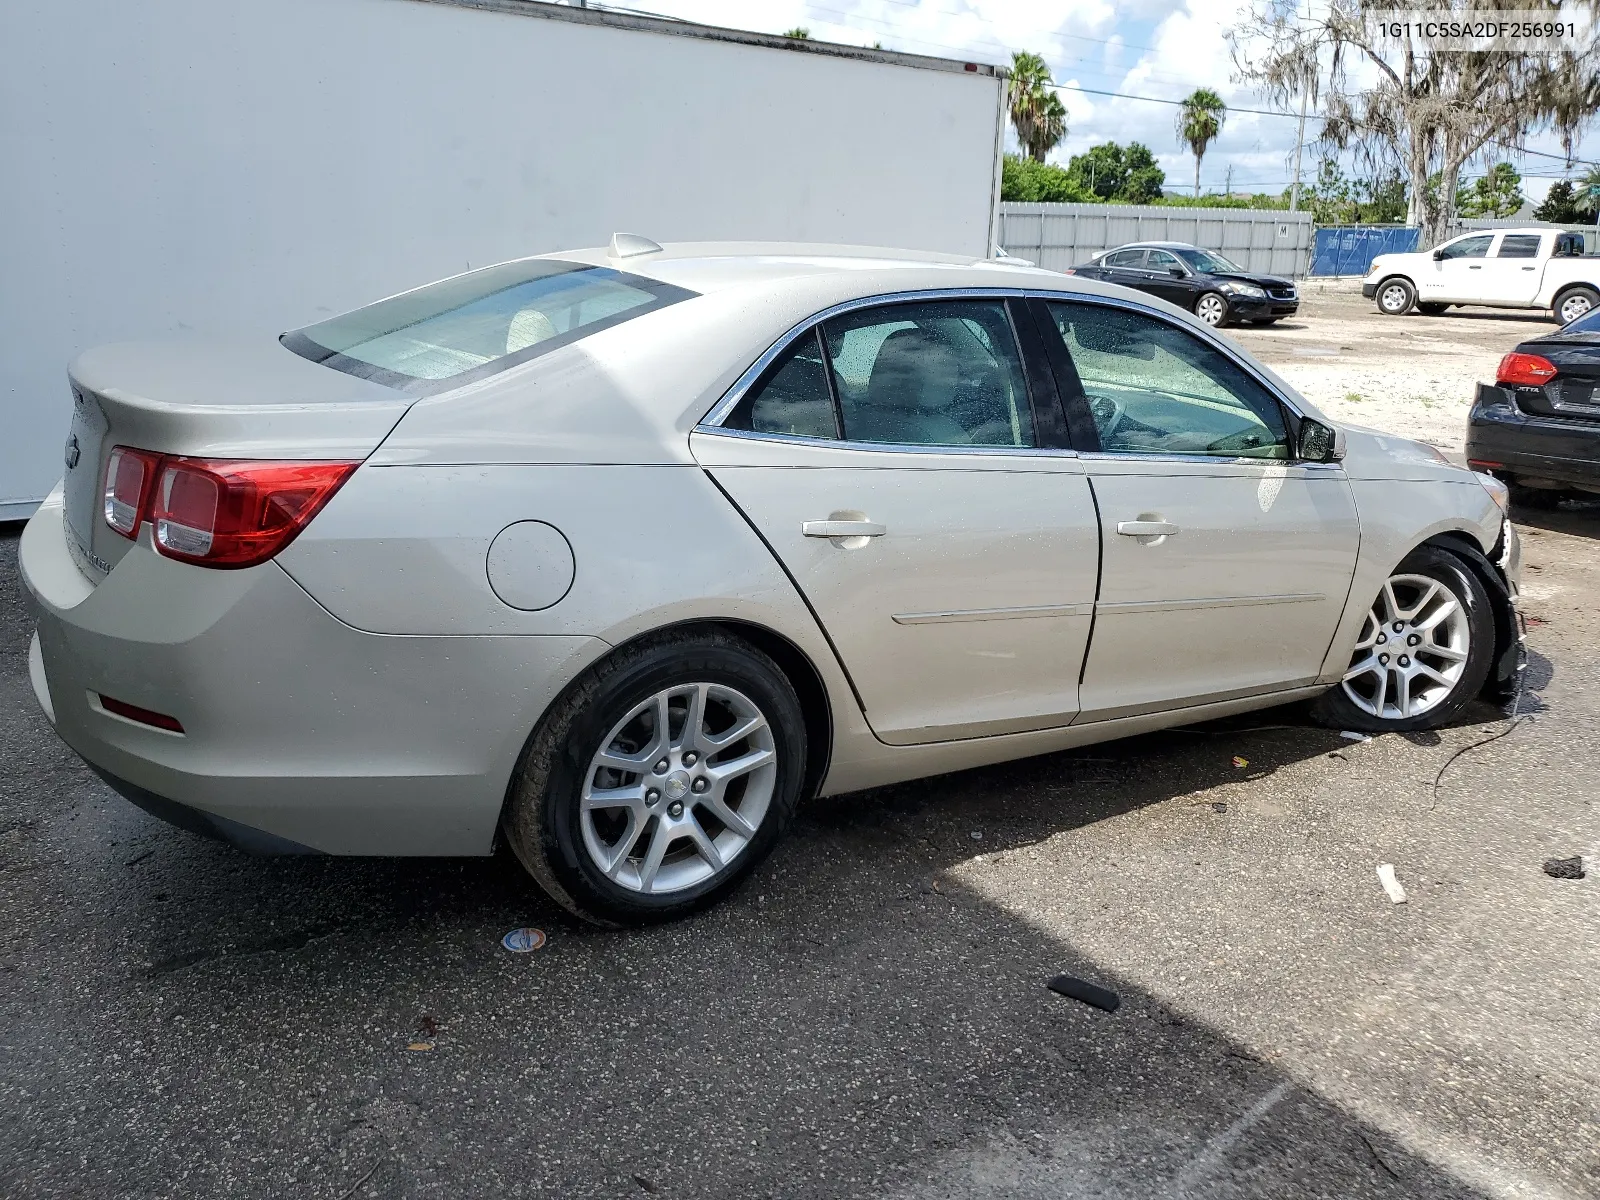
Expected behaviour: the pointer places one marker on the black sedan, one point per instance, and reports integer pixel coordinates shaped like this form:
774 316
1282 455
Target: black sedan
1537 426
1203 281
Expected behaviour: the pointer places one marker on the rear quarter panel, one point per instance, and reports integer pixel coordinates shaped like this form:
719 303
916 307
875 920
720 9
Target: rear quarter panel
1560 273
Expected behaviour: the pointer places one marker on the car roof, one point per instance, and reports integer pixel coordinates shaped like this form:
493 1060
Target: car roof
1153 246
707 267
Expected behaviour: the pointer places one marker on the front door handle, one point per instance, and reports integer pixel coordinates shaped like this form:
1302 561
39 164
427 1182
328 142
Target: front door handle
1146 528
841 529
1474 268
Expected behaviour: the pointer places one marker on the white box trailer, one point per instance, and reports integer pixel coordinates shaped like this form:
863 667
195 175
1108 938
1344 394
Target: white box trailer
177 166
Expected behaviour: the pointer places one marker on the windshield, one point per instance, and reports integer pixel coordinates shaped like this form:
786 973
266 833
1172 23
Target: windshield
451 332
1208 262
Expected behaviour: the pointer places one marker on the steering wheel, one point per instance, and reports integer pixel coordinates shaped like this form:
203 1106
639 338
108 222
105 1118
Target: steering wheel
1109 413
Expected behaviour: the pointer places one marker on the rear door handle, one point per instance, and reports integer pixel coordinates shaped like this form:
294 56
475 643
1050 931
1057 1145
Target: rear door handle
841 529
1146 528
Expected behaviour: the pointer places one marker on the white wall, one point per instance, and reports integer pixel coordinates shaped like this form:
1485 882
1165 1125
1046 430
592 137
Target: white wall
246 166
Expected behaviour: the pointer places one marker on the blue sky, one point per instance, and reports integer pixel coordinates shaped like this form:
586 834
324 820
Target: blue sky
1159 48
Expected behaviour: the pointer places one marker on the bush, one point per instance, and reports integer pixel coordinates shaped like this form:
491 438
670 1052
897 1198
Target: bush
1029 182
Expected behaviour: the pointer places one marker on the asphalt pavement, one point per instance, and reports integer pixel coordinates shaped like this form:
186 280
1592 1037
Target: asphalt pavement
869 1016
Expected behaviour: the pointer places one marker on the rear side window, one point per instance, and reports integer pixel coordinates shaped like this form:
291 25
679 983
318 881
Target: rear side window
1519 245
1123 258
792 397
946 373
457 330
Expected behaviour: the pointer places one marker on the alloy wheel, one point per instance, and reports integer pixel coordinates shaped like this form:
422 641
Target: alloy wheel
1574 307
1211 308
678 788
1393 299
1412 651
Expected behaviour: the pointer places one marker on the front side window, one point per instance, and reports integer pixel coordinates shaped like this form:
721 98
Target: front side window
946 373
1210 262
460 329
1519 245
1472 247
1156 389
1160 260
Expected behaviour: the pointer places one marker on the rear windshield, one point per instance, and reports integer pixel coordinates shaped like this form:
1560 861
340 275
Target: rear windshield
457 330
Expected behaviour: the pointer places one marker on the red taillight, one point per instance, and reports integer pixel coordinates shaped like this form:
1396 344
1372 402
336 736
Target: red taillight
218 512
1525 370
129 474
144 716
236 513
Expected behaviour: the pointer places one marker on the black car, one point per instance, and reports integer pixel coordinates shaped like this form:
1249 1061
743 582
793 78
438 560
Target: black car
1203 281
1537 426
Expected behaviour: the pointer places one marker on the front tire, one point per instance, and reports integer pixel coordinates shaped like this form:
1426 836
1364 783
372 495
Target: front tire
1395 297
1212 308
1424 651
659 779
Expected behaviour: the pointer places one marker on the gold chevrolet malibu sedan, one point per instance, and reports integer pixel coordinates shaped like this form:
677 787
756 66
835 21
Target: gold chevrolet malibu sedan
619 554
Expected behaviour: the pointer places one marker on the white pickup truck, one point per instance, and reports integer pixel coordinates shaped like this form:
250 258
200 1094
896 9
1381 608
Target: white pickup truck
1498 268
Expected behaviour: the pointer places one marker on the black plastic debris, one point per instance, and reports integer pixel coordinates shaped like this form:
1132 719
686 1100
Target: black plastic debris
1088 993
1564 868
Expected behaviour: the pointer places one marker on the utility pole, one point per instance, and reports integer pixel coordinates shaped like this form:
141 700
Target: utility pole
1300 135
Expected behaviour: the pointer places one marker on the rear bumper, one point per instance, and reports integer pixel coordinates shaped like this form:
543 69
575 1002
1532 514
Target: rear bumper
299 732
1511 443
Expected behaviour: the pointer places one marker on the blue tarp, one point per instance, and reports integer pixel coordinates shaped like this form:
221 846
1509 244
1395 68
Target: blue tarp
1350 249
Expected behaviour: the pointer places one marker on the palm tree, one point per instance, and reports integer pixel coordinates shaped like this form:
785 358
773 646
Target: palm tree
1200 123
1036 111
1588 193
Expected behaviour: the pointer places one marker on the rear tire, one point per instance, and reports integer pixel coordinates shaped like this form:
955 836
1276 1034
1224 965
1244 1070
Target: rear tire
1395 297
624 847
1575 302
1424 673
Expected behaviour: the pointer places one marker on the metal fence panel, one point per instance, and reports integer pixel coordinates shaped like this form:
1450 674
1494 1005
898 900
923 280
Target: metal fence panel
1350 249
1057 236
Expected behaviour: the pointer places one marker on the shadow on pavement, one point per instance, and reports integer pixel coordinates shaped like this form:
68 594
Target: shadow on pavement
854 1022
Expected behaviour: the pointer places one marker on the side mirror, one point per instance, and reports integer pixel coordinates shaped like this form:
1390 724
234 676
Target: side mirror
1319 443
1438 256
1175 272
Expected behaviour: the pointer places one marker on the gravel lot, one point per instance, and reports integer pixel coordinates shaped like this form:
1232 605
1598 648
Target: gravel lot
869 1016
1411 375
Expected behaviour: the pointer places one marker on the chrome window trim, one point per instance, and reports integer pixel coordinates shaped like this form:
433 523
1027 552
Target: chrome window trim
719 412
795 439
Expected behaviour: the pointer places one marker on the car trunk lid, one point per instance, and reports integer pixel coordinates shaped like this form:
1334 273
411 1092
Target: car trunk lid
1574 392
211 400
